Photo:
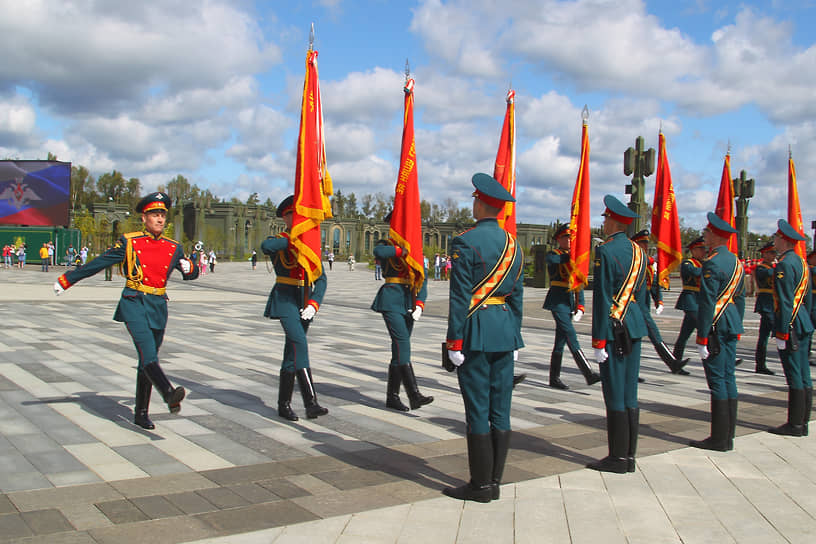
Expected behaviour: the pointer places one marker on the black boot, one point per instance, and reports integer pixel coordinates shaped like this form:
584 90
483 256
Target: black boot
555 371
796 414
517 379
285 388
633 414
143 389
171 395
480 460
501 444
760 355
392 399
679 348
720 422
675 365
307 391
590 375
732 423
617 436
415 398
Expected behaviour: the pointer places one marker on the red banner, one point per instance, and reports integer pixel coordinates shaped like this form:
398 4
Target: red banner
313 185
505 169
665 219
725 202
406 219
579 219
794 211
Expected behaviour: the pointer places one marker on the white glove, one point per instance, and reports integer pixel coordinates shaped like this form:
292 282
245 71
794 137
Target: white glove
186 265
417 313
308 313
781 345
659 309
576 317
515 355
456 357
58 289
702 350
600 355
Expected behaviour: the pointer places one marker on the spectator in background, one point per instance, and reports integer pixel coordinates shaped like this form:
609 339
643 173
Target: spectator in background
448 266
70 254
254 259
212 260
44 258
331 259
21 256
83 255
437 266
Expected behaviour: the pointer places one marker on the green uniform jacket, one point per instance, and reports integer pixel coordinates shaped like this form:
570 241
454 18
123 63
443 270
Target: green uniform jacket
763 276
284 296
558 296
787 275
690 272
716 273
613 259
152 254
492 328
396 297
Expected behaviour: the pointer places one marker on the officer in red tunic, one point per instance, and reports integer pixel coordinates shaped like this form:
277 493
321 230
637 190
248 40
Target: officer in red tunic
148 259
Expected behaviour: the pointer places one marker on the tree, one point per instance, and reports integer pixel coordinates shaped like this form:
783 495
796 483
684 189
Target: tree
338 204
351 206
179 189
82 187
425 210
367 205
253 200
133 192
112 186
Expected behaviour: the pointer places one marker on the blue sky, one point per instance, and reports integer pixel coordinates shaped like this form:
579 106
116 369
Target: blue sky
211 90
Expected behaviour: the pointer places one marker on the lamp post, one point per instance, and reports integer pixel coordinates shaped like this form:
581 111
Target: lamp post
743 190
641 163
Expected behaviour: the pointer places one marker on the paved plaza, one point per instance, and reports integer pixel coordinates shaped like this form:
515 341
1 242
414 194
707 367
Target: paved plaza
227 469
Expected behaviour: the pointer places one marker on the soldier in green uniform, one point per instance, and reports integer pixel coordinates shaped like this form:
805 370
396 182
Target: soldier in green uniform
617 327
399 307
793 328
655 293
566 306
147 259
484 329
690 271
719 325
763 276
811 261
294 302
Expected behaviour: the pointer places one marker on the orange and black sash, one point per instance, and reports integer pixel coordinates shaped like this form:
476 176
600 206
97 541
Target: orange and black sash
801 287
727 295
487 286
620 302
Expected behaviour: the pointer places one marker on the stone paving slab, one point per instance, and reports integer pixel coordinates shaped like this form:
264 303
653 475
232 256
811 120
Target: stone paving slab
228 465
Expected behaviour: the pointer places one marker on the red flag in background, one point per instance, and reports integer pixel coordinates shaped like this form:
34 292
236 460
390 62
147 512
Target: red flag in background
665 219
505 169
794 211
406 218
725 202
579 219
313 185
